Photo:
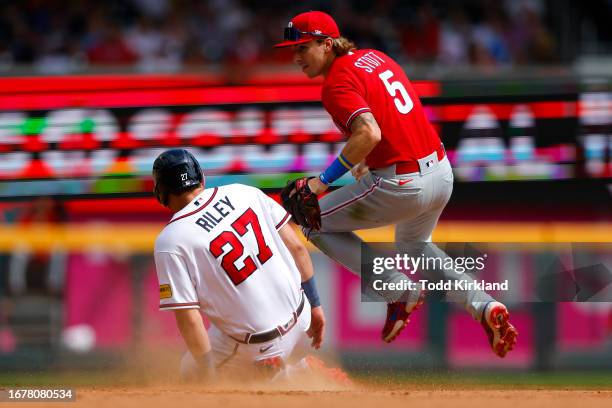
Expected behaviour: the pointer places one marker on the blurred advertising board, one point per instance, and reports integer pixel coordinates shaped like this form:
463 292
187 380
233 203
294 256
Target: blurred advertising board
98 135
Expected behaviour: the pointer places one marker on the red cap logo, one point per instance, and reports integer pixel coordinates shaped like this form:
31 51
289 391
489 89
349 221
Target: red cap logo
308 26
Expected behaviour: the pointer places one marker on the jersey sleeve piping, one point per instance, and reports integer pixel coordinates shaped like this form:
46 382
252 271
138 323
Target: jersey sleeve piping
285 219
355 114
171 306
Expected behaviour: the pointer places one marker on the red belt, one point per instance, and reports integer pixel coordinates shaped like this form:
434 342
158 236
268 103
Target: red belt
413 165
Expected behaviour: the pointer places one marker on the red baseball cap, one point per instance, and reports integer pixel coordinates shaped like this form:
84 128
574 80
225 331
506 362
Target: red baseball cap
307 26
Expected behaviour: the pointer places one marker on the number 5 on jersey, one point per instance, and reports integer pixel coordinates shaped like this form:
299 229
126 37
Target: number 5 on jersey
228 262
403 103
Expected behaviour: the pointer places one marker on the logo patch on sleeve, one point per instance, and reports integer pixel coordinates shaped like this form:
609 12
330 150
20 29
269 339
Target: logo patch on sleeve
165 291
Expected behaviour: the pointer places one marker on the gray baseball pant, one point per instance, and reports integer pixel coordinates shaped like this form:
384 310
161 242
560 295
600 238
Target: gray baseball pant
413 202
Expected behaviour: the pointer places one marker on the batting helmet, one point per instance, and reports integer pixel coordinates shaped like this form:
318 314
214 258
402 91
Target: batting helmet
174 171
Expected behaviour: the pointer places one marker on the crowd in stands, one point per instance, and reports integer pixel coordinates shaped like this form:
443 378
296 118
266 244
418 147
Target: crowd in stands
57 36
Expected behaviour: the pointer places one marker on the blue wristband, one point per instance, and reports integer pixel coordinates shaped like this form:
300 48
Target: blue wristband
310 289
336 170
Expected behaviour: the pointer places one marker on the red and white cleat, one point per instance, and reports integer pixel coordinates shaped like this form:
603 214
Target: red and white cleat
397 317
334 375
496 323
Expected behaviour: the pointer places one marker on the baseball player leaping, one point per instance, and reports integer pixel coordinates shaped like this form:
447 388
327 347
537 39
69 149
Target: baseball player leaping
402 172
229 252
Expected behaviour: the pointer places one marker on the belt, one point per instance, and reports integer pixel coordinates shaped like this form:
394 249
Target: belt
276 332
412 166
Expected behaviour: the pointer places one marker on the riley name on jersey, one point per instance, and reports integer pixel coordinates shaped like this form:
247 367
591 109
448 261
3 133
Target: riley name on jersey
210 219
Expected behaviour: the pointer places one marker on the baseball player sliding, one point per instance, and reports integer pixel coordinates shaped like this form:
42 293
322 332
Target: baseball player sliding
403 176
229 252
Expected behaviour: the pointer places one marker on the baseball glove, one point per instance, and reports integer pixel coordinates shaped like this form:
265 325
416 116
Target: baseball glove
302 203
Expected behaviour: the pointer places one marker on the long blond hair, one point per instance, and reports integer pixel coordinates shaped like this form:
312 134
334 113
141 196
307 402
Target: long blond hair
342 46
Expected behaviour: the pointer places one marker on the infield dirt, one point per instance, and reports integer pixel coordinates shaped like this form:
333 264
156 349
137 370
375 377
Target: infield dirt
358 397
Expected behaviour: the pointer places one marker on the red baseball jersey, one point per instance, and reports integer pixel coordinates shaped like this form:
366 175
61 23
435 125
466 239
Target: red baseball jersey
370 81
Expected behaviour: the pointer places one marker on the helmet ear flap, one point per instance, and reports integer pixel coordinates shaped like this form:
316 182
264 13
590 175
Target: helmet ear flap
161 196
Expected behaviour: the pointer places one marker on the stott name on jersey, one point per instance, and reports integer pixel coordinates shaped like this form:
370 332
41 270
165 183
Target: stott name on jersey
219 210
369 61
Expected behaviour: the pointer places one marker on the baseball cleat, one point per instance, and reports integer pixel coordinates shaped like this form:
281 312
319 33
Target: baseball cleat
397 317
502 334
334 375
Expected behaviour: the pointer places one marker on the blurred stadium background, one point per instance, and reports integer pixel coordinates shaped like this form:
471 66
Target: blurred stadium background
92 91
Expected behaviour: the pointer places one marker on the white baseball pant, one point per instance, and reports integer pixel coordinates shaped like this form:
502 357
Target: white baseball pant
230 355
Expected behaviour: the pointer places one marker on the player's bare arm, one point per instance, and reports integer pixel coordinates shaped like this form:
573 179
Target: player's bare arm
302 260
298 251
360 170
365 135
191 326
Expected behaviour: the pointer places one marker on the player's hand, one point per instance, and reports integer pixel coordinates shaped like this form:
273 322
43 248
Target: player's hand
316 185
360 170
317 326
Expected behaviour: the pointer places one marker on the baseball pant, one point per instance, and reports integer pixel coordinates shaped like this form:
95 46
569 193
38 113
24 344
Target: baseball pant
230 355
413 202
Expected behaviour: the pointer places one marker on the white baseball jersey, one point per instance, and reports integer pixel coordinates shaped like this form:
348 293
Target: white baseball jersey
222 253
